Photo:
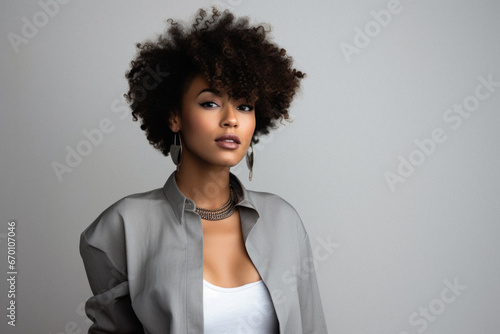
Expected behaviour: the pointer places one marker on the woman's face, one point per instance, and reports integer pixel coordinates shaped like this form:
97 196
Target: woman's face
215 130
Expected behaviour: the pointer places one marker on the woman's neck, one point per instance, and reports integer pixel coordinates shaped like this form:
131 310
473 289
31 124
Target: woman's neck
207 187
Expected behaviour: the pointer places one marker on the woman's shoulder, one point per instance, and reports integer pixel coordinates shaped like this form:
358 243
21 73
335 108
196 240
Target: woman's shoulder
270 201
274 207
110 222
277 216
136 202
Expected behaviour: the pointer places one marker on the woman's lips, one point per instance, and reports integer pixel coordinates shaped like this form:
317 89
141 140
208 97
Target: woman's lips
231 142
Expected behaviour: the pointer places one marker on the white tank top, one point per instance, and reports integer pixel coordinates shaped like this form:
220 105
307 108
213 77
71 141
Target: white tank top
246 309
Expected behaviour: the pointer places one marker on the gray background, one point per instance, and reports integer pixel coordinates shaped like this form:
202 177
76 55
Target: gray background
390 251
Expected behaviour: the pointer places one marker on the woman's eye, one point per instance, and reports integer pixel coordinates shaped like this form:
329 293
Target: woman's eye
245 107
209 104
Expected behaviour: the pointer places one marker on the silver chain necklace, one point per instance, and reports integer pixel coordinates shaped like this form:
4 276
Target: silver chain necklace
221 213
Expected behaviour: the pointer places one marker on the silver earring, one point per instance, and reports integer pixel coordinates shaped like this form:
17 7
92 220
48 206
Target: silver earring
176 150
249 158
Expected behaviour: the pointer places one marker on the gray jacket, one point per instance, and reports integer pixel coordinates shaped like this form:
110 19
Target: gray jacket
144 260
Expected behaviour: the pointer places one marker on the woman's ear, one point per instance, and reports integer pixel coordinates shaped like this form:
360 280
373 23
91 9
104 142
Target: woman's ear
174 121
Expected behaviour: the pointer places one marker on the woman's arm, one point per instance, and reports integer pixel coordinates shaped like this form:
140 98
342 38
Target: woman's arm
110 308
311 309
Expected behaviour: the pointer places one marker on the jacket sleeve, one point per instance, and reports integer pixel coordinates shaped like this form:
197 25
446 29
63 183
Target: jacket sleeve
102 247
311 309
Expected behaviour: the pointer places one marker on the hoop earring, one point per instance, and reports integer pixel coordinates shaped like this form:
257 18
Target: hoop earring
249 158
176 150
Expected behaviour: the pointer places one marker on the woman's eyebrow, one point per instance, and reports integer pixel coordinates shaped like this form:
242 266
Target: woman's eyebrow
210 90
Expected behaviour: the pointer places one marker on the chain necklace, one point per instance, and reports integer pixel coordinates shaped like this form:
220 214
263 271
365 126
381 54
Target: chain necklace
221 213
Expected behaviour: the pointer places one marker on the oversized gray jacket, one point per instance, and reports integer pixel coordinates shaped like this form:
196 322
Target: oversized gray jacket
144 260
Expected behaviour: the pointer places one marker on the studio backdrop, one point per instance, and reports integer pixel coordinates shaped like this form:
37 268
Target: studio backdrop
392 159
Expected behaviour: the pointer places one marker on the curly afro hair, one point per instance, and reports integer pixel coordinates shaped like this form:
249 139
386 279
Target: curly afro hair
235 58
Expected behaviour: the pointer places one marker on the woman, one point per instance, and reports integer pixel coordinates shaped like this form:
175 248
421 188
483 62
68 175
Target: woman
203 254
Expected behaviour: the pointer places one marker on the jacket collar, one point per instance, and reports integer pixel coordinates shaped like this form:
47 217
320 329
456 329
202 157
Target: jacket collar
181 203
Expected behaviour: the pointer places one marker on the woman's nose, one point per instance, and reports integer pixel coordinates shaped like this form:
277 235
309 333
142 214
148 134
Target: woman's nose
230 118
